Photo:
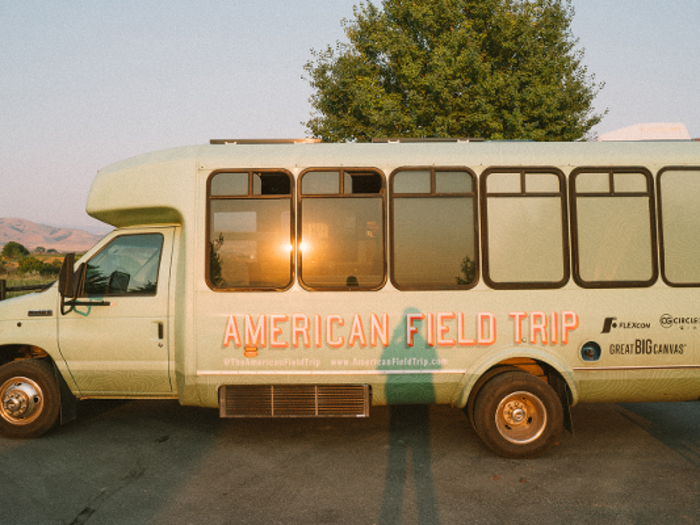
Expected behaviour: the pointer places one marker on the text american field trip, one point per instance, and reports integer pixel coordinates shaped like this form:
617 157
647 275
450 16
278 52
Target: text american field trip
445 329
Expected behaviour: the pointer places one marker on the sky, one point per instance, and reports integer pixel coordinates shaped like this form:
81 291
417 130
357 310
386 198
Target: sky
86 83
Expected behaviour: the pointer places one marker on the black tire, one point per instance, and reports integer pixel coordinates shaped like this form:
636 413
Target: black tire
469 408
518 415
29 399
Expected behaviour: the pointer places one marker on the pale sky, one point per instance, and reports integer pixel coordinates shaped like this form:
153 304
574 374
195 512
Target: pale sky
84 83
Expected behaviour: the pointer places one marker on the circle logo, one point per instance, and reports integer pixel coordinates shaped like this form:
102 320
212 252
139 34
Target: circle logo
667 320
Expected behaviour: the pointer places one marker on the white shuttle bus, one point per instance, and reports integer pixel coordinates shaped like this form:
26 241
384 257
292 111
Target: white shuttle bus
297 279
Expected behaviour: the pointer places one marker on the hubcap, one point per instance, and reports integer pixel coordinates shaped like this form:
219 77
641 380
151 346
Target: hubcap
22 401
521 417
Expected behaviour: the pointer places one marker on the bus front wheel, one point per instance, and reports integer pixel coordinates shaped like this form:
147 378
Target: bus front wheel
29 399
518 415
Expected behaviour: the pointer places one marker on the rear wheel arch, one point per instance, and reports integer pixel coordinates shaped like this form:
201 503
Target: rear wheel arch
538 369
518 415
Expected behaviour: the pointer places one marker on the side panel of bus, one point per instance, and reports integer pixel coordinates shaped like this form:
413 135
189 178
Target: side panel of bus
613 329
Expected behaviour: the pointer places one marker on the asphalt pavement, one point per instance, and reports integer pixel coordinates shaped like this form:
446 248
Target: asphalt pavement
156 462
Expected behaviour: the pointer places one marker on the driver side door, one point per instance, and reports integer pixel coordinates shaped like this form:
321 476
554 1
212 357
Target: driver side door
120 346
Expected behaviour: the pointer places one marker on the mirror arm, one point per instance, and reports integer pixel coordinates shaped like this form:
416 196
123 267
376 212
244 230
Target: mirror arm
71 283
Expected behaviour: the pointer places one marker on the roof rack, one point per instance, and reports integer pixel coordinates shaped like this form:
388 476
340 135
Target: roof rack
264 141
427 139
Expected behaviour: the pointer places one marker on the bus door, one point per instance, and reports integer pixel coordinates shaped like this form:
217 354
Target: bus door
120 345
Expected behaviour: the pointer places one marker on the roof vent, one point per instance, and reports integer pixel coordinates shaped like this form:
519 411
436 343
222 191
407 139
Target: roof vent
651 131
428 139
264 141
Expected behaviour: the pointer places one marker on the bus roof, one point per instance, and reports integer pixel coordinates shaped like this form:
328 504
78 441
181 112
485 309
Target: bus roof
157 188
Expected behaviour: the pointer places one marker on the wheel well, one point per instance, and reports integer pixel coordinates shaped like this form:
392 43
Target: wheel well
539 369
9 353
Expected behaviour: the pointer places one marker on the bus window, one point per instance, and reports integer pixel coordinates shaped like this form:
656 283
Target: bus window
613 221
523 227
128 265
341 230
433 229
250 230
679 216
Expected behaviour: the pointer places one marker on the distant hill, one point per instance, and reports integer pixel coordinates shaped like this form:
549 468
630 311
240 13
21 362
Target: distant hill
31 235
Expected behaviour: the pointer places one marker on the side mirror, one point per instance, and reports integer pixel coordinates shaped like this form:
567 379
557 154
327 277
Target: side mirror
66 277
70 283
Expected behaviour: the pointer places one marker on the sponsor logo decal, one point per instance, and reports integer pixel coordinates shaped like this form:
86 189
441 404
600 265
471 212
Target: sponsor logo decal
683 322
611 323
647 347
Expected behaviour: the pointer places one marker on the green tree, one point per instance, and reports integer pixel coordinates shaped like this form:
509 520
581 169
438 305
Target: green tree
14 250
497 69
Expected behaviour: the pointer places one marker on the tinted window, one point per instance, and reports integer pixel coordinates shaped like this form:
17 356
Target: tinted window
342 229
127 265
679 198
250 230
524 234
613 227
433 229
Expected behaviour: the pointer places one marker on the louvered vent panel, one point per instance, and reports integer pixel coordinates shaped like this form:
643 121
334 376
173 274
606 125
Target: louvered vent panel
245 401
294 401
343 399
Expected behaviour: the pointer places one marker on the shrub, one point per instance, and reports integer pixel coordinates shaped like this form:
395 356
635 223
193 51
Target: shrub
34 265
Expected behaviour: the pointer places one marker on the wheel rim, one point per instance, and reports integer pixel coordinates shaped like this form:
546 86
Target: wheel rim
22 400
521 417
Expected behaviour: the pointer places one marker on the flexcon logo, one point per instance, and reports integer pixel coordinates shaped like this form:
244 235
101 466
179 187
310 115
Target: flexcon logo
608 324
611 322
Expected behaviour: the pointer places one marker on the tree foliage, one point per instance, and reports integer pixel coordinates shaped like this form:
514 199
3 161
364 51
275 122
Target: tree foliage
14 250
497 69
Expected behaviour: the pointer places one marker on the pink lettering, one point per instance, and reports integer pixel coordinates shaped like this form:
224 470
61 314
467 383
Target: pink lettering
357 332
463 341
232 332
486 323
335 343
518 317
276 331
411 330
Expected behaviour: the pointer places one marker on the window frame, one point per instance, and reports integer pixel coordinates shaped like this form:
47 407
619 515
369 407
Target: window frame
566 241
250 196
611 171
83 293
474 195
659 211
300 196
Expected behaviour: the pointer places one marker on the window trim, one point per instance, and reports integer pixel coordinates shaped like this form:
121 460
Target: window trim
340 195
474 195
250 196
659 210
84 294
562 194
611 170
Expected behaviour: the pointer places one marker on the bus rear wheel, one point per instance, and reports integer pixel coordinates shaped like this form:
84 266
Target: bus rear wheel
518 415
29 399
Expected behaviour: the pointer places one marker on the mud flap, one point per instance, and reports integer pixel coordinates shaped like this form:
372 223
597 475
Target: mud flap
69 403
562 390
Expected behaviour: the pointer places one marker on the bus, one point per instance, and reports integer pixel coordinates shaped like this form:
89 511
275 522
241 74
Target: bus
304 279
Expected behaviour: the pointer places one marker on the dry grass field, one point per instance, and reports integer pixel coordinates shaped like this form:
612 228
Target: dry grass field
12 278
